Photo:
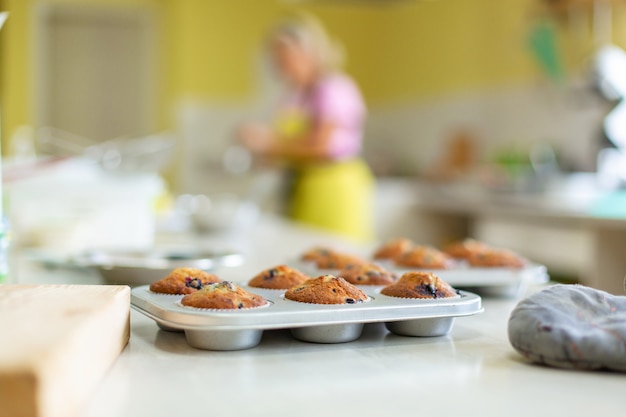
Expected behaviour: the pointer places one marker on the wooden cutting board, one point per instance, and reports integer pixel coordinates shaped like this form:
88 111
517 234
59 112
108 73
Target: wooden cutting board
56 343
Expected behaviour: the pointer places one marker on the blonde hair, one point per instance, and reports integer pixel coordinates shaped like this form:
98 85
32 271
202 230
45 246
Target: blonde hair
307 31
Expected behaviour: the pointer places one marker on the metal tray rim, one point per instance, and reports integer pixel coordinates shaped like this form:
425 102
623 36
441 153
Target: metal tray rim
286 315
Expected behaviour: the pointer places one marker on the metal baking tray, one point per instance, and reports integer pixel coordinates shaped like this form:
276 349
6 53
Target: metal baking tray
488 281
144 267
492 281
316 323
136 267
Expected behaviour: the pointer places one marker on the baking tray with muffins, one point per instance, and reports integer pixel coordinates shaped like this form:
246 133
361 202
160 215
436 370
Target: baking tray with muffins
468 264
223 315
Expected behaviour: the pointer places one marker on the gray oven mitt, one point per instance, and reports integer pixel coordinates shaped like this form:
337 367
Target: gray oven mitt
571 326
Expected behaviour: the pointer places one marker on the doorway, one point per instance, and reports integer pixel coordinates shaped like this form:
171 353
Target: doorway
94 70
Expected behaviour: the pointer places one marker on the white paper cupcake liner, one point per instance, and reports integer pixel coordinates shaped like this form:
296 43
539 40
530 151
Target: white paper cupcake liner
456 297
166 294
320 304
221 310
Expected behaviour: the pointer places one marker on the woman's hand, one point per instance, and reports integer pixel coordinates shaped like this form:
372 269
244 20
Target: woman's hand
312 146
257 138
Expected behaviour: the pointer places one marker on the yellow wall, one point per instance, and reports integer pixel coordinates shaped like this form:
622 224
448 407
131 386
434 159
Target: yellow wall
209 48
395 51
219 41
446 46
14 59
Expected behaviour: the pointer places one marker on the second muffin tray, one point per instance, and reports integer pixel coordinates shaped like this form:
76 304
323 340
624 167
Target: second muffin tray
317 323
487 281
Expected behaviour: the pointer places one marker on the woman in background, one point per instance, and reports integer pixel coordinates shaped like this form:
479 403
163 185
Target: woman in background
317 132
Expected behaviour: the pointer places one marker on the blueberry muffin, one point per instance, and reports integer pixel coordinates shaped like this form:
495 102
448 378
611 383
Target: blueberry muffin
423 285
465 248
496 258
326 258
424 257
313 254
393 248
326 289
183 281
223 295
280 277
367 274
337 260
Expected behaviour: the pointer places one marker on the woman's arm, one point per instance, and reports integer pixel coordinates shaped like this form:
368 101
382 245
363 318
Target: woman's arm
313 145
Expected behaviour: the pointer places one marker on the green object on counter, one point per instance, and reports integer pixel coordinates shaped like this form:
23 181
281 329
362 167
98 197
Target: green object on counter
516 163
611 205
543 45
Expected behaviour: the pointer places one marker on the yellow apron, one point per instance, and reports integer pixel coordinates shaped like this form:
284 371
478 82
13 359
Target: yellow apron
335 196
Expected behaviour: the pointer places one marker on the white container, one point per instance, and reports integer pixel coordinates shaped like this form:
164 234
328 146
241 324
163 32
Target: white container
75 206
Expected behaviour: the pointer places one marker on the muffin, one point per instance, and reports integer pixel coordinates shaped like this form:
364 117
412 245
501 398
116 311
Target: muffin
326 258
337 260
367 274
326 289
496 258
393 248
313 254
419 285
424 257
183 281
465 248
280 277
224 296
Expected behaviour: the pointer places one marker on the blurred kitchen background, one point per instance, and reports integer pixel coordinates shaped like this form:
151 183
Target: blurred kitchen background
125 110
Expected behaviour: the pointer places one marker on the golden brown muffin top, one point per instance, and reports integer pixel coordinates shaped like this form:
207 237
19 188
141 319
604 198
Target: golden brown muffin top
316 253
183 281
326 289
280 277
424 257
367 274
223 295
393 248
465 248
326 258
496 258
419 285
337 260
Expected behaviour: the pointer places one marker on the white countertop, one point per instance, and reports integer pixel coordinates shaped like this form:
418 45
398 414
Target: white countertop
574 199
472 371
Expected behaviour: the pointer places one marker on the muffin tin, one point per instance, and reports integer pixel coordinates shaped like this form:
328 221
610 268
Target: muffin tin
487 281
317 323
